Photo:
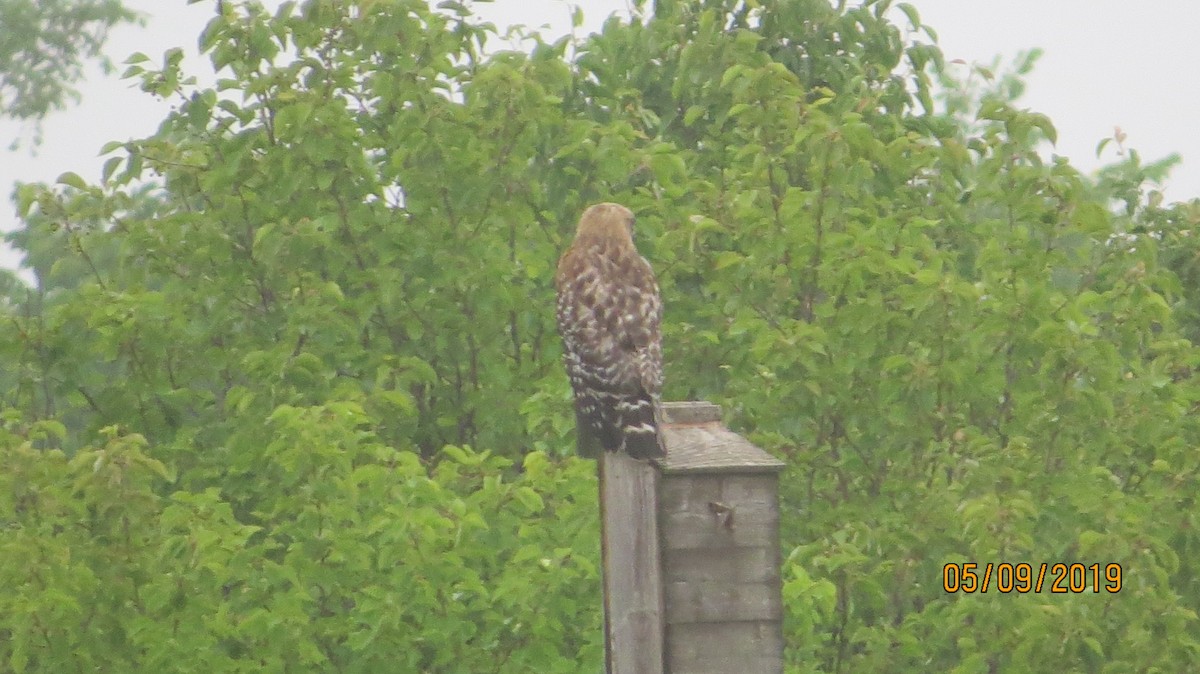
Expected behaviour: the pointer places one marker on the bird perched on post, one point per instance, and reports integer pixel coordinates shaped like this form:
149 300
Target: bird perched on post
608 315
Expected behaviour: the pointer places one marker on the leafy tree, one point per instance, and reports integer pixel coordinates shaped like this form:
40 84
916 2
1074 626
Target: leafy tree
45 45
294 400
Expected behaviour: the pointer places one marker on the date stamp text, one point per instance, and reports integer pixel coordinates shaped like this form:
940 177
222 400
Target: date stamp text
1057 578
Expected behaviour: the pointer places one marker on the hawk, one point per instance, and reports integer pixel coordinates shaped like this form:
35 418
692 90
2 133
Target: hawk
608 315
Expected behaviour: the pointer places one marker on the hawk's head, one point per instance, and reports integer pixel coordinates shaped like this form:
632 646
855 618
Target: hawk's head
606 221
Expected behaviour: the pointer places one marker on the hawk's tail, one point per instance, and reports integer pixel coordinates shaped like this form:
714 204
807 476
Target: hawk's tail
641 431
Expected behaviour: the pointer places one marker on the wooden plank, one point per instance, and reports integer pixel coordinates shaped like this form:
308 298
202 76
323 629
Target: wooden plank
691 412
633 591
722 648
734 565
712 448
721 601
719 511
694 492
697 442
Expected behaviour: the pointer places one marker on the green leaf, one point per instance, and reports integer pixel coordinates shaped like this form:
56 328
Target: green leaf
914 18
529 499
71 179
1047 127
26 194
110 167
727 259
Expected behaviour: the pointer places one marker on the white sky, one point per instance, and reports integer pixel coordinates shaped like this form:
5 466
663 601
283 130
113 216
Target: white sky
1107 63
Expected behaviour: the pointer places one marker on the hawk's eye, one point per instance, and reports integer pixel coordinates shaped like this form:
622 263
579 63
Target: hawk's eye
630 223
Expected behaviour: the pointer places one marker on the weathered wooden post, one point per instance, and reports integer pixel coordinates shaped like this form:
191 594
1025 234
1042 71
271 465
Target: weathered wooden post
691 553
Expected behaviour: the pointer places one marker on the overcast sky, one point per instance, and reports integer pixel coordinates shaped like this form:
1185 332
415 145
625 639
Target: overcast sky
1107 63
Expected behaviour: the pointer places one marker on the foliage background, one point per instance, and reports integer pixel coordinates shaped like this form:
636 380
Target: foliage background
45 46
286 394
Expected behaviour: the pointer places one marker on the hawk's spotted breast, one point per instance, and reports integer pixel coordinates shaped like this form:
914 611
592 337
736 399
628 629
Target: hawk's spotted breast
608 315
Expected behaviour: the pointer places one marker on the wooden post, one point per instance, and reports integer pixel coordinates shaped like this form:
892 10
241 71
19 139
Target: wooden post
691 553
633 610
